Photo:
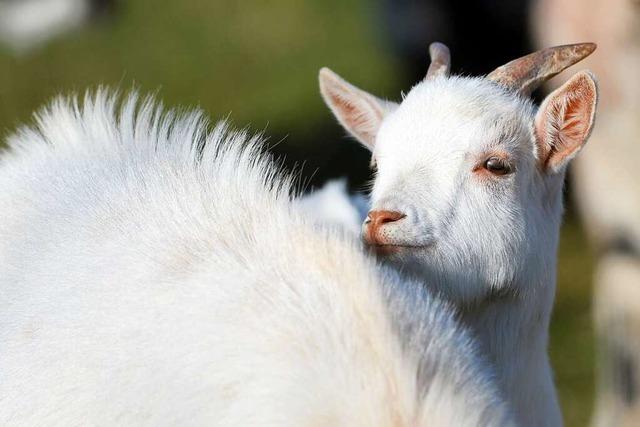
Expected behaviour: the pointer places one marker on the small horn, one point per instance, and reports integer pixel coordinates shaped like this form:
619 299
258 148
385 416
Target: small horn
440 60
527 73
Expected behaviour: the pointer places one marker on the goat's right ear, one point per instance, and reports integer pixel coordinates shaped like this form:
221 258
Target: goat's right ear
357 111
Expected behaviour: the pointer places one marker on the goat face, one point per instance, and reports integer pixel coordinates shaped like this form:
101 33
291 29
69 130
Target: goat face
456 160
469 177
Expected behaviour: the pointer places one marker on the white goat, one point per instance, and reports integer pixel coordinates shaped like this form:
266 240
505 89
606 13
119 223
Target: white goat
151 274
468 196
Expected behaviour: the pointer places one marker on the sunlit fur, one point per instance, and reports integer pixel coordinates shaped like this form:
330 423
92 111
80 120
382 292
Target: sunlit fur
486 242
154 273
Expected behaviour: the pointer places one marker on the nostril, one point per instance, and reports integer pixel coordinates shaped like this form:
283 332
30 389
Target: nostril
378 218
392 218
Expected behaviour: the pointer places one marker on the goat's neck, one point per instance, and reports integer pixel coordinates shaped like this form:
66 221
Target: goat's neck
513 332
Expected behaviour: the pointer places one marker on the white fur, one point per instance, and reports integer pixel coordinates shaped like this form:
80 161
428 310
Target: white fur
486 243
152 273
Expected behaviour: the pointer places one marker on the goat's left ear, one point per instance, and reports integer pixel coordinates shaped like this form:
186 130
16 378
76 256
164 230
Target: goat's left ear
564 121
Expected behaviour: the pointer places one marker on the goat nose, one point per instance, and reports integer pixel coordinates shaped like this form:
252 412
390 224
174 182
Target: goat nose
375 220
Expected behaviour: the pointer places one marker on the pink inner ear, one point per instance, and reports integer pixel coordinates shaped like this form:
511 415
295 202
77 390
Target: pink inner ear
566 123
357 118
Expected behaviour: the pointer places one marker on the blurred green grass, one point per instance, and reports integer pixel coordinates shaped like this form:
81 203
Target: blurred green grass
258 62
255 60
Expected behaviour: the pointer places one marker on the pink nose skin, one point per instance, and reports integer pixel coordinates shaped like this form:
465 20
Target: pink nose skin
374 222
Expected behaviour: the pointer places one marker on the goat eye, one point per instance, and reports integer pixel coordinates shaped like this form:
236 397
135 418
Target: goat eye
497 166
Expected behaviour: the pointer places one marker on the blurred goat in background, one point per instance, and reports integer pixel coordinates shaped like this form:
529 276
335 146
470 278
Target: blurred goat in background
27 24
607 189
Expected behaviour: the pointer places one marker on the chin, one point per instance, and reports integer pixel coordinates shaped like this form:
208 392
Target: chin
407 258
463 285
391 250
423 263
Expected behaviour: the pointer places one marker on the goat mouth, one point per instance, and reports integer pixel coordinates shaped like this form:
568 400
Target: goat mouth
388 249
